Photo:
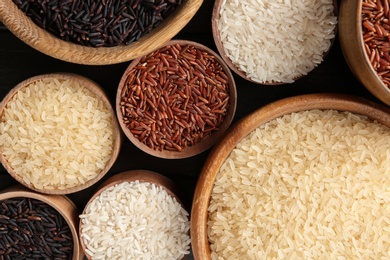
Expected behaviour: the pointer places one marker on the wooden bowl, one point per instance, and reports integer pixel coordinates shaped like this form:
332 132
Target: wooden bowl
206 142
99 92
131 176
201 201
41 40
217 39
61 203
353 47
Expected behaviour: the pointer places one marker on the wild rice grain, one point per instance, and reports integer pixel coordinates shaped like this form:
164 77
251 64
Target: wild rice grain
311 185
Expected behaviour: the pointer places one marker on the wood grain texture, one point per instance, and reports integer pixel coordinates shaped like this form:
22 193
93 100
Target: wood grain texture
99 92
221 151
60 203
205 143
352 45
41 40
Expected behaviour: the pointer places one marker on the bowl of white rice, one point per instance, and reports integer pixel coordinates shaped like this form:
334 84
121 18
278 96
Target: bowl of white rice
274 42
58 133
307 177
135 214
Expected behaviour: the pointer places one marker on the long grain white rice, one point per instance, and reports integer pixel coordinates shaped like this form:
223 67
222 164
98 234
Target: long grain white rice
308 185
56 134
135 220
276 40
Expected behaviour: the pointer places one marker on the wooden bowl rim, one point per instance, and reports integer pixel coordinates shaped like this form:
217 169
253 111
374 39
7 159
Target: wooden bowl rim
10 16
218 43
350 31
61 203
205 143
95 89
131 176
236 133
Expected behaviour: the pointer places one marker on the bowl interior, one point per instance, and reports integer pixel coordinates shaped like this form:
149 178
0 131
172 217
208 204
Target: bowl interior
60 203
201 201
98 91
221 49
43 41
205 143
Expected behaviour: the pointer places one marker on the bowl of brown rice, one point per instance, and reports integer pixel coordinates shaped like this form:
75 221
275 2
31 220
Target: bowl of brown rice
272 43
177 101
364 32
135 214
58 133
38 226
303 177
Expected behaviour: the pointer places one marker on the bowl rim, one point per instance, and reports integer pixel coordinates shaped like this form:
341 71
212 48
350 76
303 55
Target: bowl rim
203 189
143 176
218 43
36 37
205 143
350 30
61 203
96 90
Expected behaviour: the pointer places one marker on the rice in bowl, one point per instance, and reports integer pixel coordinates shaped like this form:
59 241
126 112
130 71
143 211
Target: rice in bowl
312 184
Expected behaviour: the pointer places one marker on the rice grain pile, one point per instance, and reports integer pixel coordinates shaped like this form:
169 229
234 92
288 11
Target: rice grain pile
308 185
276 41
135 220
56 134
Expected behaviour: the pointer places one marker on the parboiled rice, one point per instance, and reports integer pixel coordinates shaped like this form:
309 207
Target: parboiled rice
56 134
135 220
276 40
311 185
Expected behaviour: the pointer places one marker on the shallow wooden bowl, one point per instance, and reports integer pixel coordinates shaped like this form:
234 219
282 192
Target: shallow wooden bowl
99 92
131 176
61 203
217 40
201 200
41 40
205 143
352 45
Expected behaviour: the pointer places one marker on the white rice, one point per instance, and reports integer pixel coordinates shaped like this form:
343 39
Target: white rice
308 185
276 40
56 134
135 220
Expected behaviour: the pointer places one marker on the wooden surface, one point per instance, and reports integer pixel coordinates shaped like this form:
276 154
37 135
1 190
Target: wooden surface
43 41
19 61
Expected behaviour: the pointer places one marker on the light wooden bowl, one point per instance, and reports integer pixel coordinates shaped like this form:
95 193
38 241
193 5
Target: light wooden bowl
60 203
39 39
94 88
130 176
352 45
201 201
205 143
217 40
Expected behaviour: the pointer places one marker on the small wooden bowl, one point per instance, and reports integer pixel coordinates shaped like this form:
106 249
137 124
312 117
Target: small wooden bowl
205 143
41 40
352 45
201 201
99 92
131 176
61 203
217 40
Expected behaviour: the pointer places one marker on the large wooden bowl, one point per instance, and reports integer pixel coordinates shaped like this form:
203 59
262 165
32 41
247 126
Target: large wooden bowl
352 45
130 176
26 30
61 203
206 142
99 92
201 200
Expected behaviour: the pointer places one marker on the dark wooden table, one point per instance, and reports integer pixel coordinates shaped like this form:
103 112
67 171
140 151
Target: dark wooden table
18 61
